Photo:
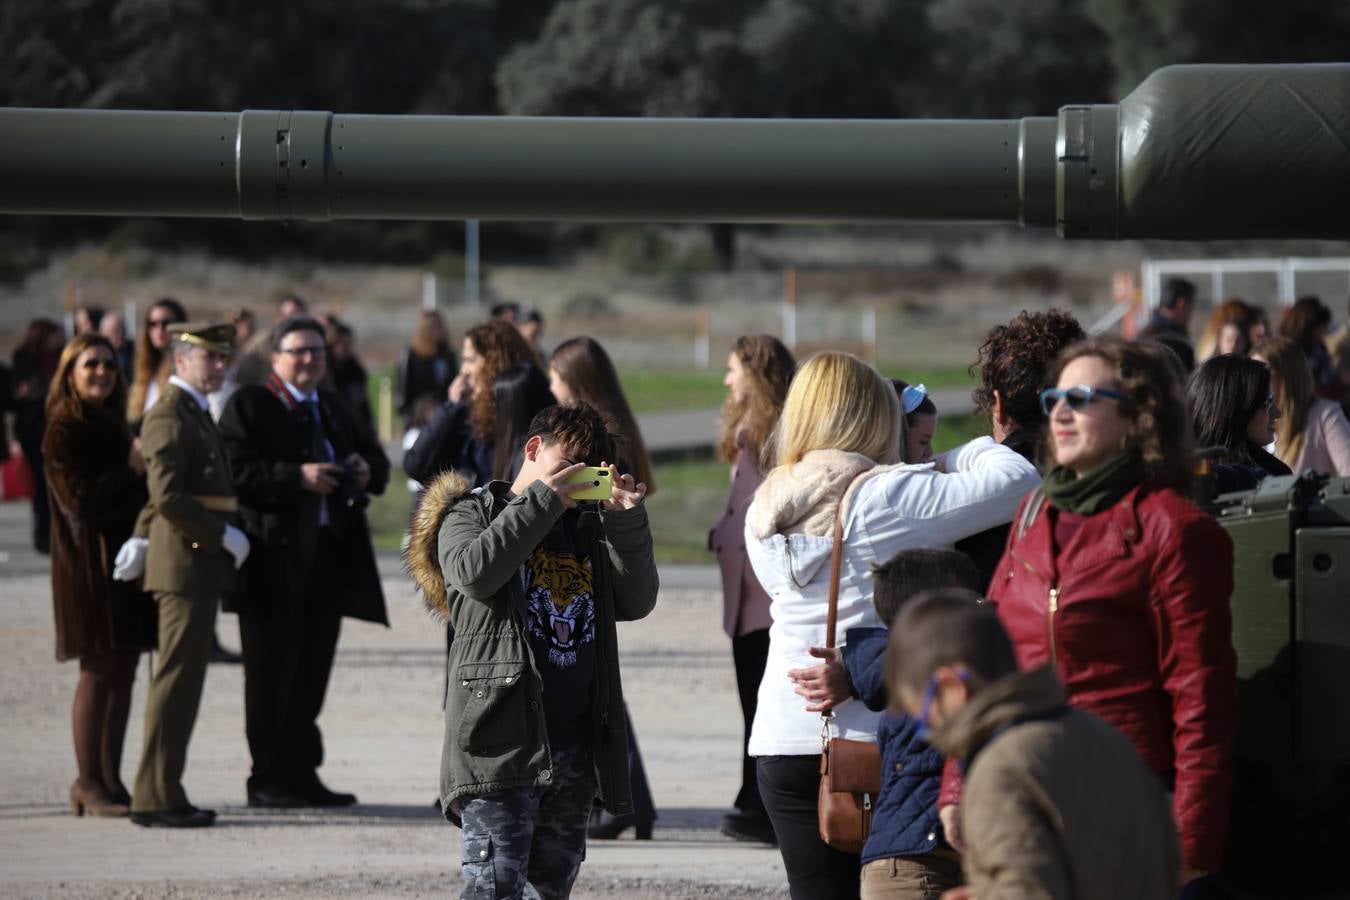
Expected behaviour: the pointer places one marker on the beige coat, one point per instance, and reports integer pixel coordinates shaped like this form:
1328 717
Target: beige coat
1057 804
186 471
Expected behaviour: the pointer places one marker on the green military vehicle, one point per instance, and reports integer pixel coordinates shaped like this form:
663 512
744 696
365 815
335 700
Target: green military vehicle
1194 153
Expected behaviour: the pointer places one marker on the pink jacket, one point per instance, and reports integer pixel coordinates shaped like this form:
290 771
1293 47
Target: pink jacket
1326 441
745 605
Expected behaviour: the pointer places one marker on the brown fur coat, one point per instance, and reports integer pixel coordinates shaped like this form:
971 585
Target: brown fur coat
95 499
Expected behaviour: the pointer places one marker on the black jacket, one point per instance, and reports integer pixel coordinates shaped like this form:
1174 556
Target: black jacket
445 444
267 443
986 547
421 376
349 379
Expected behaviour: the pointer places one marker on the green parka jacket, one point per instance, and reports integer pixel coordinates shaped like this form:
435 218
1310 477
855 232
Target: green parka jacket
465 552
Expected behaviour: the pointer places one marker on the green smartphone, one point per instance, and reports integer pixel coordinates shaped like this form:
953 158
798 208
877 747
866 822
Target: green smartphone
601 481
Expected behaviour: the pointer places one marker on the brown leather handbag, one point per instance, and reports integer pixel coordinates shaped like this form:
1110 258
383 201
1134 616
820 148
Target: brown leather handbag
850 771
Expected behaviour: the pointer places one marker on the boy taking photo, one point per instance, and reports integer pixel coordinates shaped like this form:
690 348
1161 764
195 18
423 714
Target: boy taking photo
533 584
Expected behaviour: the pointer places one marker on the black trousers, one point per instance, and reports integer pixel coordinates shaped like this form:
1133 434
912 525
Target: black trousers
789 786
31 443
288 657
750 654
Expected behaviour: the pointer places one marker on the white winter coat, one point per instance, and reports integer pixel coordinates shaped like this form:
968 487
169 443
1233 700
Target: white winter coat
789 536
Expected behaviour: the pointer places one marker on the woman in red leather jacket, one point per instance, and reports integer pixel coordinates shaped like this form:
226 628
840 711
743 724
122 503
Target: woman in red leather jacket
1112 575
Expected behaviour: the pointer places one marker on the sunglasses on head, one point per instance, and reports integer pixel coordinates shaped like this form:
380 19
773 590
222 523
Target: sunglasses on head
1079 397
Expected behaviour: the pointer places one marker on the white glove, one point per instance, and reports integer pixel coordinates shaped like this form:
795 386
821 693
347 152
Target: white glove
236 542
130 561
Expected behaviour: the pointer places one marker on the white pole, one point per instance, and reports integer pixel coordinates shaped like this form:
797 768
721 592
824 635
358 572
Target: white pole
703 340
869 334
386 409
129 318
471 262
429 291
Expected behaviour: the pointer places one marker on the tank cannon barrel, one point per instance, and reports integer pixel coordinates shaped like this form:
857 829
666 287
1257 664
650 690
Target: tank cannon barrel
1196 152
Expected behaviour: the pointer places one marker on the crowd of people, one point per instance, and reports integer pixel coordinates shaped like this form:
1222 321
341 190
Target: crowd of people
1035 625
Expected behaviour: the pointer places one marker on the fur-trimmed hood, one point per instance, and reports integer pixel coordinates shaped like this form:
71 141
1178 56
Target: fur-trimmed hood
422 557
803 498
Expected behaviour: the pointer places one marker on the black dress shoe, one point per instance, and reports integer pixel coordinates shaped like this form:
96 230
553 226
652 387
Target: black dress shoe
604 827
275 798
315 793
187 817
749 827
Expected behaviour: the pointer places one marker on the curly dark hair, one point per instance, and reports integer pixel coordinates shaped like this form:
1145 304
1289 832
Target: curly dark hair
501 346
1016 360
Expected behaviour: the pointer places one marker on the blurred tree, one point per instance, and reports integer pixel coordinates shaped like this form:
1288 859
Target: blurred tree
378 56
785 58
370 56
995 59
1148 34
826 58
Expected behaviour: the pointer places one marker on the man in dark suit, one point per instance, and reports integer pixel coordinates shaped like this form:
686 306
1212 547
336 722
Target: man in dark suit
1171 322
303 467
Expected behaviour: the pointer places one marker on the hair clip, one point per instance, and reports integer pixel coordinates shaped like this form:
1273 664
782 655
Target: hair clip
912 397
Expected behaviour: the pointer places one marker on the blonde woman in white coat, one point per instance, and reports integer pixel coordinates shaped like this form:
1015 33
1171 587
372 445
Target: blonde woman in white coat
839 442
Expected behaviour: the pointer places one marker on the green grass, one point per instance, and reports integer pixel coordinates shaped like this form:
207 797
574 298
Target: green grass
953 431
685 507
656 391
933 379
661 391
388 513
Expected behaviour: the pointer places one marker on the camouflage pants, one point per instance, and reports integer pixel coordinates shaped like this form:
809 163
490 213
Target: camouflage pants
529 842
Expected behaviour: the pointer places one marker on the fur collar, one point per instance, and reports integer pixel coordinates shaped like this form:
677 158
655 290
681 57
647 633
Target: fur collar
422 556
803 498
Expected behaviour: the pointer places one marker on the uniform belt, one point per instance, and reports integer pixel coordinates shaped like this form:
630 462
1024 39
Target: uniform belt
218 502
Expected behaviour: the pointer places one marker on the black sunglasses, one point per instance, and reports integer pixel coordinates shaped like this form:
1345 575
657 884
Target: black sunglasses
1079 397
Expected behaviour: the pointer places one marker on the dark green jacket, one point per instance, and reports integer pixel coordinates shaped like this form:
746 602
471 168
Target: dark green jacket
466 552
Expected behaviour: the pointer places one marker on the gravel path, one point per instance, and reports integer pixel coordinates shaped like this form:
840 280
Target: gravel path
382 729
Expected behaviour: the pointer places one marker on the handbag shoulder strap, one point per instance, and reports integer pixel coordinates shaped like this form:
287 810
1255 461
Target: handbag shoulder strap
836 563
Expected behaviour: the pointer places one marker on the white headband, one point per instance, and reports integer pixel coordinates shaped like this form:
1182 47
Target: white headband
912 397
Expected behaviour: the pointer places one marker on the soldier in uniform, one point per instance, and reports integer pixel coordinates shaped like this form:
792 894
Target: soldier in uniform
192 554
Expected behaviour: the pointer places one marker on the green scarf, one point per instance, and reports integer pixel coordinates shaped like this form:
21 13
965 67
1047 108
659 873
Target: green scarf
1096 490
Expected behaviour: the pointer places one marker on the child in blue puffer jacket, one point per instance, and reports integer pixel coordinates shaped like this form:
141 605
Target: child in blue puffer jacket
906 855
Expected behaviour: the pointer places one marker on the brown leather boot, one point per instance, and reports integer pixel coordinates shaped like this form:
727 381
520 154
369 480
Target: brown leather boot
94 800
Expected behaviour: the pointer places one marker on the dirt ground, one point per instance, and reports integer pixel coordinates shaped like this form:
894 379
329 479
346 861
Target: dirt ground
382 729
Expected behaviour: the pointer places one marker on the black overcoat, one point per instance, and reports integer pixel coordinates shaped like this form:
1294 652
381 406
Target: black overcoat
267 443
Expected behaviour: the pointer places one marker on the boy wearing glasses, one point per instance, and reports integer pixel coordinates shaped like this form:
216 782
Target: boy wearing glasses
1057 803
